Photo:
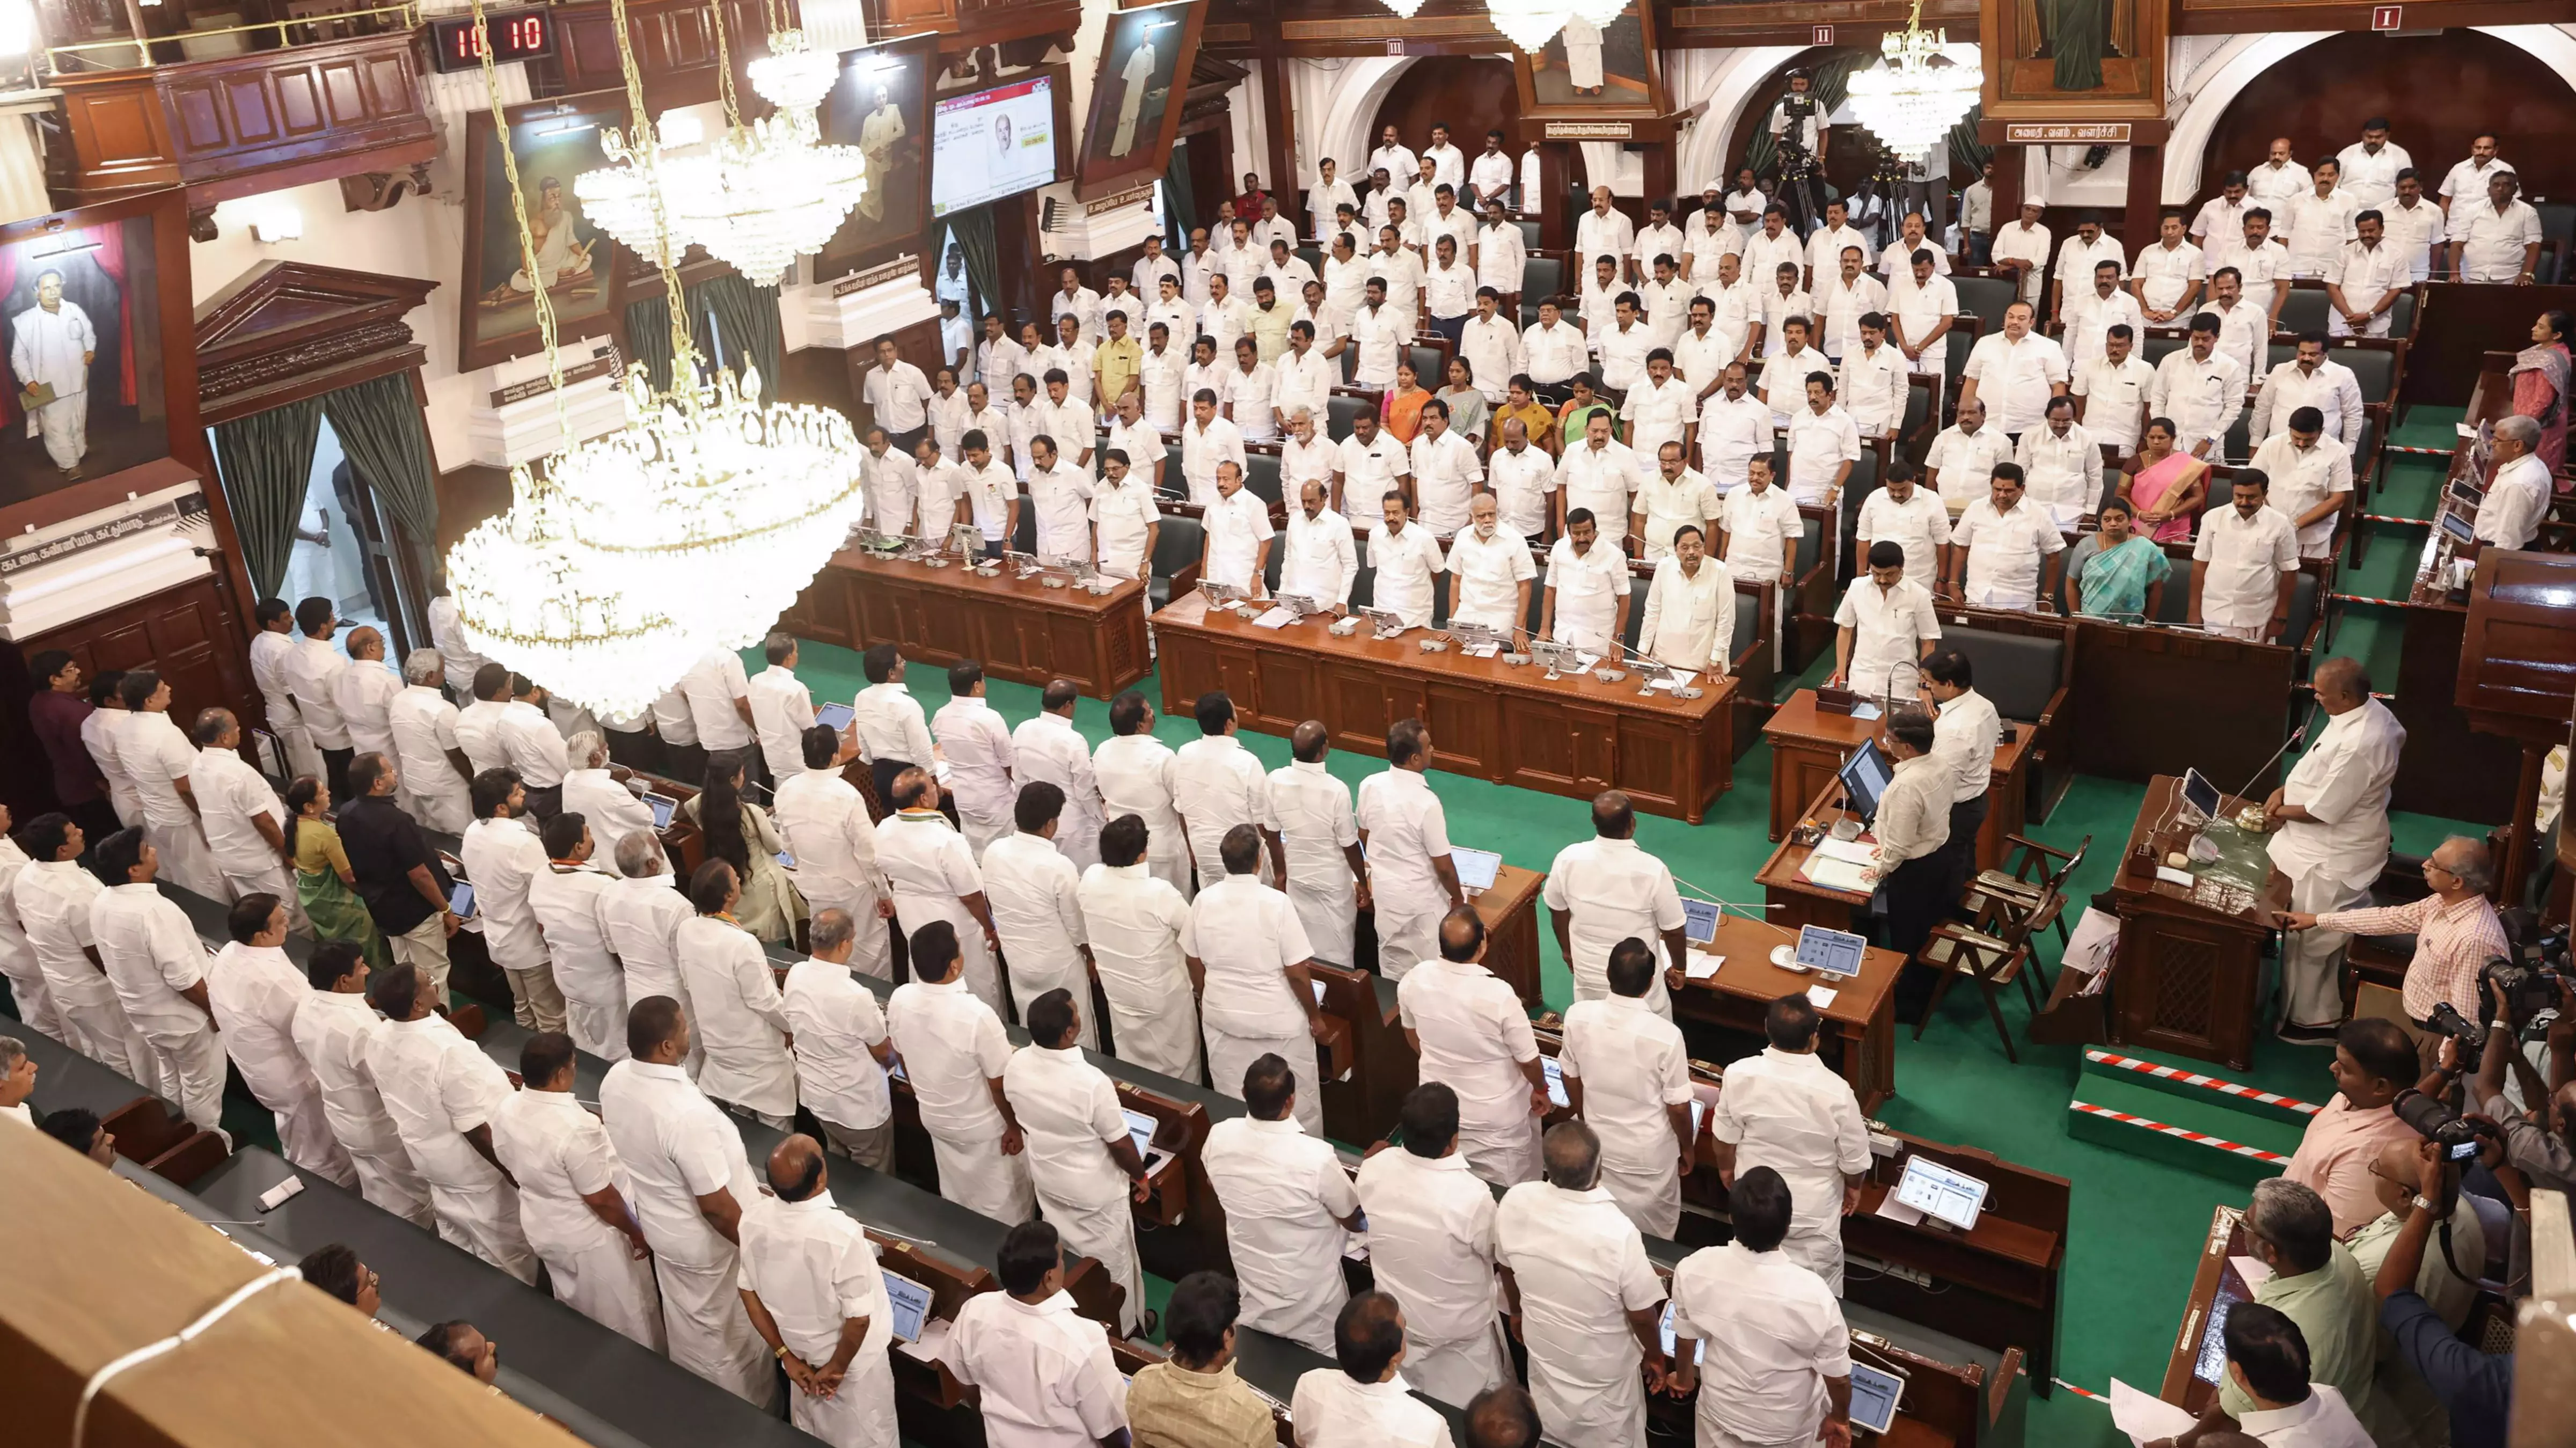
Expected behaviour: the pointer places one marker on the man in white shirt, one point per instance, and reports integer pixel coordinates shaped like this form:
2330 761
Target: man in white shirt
1320 561
1124 515
2519 492
271 641
363 691
2366 281
1446 472
2277 179
1081 1158
1033 888
1962 457
2201 388
1472 1034
1604 230
1600 475
841 1042
1431 1245
1702 353
151 748
2091 316
931 873
333 1028
897 396
1045 1374
2061 466
2311 480
2309 380
1142 946
2330 836
2247 563
2245 327
1257 997
1690 608
825 825
1217 784
1328 193
1448 284
1491 174
52 896
1758 1335
434 771
1627 1076
1733 427
1587 594
1965 731
2087 249
533 745
1826 245
1049 750
1844 294
1794 1115
1578 1285
1871 380
1744 205
1288 1203
2370 165
1674 497
954 1052
1607 889
244 822
312 671
1823 444
1788 328
2015 371
976 744
1911 517
2318 221
1061 494
1659 407
1406 560
2021 251
2413 225
1490 345
1316 843
1073 299
156 968
572 1195
1760 527
733 992
1502 256
719 698
1410 876
1066 418
1250 390
443 1095
2111 392
2169 275
1884 628
2004 547
1553 350
502 854
1365 1399
565 897
782 708
1392 156
1522 480
1134 772
817 1298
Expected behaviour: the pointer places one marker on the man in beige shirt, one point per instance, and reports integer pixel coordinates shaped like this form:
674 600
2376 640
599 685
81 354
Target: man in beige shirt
1913 823
1195 1400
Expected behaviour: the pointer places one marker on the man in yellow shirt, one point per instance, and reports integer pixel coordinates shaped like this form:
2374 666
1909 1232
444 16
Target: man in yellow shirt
1116 363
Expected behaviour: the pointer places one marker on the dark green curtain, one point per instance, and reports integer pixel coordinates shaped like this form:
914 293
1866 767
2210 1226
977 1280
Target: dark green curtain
1182 212
974 233
745 321
378 424
648 335
267 462
2079 35
1966 154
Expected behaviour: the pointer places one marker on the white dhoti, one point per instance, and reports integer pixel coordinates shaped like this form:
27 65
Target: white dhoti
1107 1231
1583 65
710 1330
1329 917
264 877
302 755
1305 1318
1154 1026
594 995
983 830
34 1000
1028 982
1817 1243
977 1175
442 807
859 1415
1644 1177
871 953
482 1216
1584 1413
191 1067
1173 868
915 911
185 860
1499 1141
1405 938
1455 1372
1229 1055
389 1181
64 425
595 1275
97 1028
2312 960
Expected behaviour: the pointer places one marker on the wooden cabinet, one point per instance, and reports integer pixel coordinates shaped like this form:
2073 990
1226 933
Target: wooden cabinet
1018 631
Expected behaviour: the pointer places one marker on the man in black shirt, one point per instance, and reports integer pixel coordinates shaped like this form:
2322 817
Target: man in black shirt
399 874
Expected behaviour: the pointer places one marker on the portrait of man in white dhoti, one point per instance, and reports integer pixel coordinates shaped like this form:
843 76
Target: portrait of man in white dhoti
1594 65
877 137
880 105
51 347
567 258
563 258
1134 78
1133 95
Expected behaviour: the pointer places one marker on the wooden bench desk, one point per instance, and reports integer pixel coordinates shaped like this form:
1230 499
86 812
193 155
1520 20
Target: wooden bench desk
1808 745
1859 1032
1021 631
1799 900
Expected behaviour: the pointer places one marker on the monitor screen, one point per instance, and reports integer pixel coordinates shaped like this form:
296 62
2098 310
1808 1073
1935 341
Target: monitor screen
1865 777
1555 1081
2210 1363
663 807
1830 952
1140 1129
2460 529
1699 921
461 900
1476 868
835 717
910 1302
1937 1191
2200 794
989 144
1874 1395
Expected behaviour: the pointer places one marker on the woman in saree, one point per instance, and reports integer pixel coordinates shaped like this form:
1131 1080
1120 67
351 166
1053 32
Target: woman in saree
1402 409
324 883
2164 484
1467 407
2540 388
739 833
2123 572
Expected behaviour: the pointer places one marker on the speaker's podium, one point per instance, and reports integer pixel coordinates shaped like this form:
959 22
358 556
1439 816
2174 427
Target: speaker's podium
2189 972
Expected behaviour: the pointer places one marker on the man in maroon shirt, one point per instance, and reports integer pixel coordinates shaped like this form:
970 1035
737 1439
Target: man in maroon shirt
56 712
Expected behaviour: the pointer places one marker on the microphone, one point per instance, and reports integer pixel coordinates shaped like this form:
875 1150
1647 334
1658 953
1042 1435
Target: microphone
2296 735
1746 911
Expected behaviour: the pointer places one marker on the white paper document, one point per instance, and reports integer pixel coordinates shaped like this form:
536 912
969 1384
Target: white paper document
1275 618
1850 852
1835 874
2254 1272
1702 965
1820 996
934 1336
2144 1416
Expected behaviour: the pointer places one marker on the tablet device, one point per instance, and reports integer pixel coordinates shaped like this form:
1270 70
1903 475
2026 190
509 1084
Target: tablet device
835 717
1699 921
1140 1129
2460 529
460 901
1700 1347
1555 1081
1476 868
911 1304
1865 776
663 808
2210 1363
1830 952
1937 1191
1874 1396
2199 794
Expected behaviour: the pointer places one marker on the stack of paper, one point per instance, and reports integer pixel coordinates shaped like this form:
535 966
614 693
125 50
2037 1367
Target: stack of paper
1275 618
1833 874
1850 852
2144 1417
1702 965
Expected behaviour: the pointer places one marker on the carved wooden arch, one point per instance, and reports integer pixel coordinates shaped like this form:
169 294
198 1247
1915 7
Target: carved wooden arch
285 331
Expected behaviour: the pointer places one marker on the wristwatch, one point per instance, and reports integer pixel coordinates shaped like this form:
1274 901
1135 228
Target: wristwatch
780 1351
2422 1205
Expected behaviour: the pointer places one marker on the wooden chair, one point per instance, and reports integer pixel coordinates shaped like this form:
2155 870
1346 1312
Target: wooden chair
1993 961
2034 889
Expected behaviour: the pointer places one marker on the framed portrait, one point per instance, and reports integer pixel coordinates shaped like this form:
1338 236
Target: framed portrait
553 141
86 365
1589 67
1137 96
881 104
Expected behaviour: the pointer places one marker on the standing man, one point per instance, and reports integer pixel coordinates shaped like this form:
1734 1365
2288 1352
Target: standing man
2111 395
1363 1399
435 772
1690 609
930 871
1033 890
1257 997
1759 1335
58 713
954 1051
1587 591
719 700
1431 1244
782 709
975 742
1490 570
1885 625
1627 1076
1472 1034
1759 528
892 733
2331 823
1320 562
2311 479
2248 558
1965 731
2201 388
1144 952
335 1028
825 824
252 991
2004 548
898 399
1606 889
1134 772
2020 251
244 822
365 691
53 896
1315 840
1410 876
157 967
53 345
1582 1295
1045 1373
502 856
1235 550
152 749
1047 749
1792 1114
2018 367
573 1195
1125 520
815 1295
1084 1165
312 674
565 897
1288 1204
400 876
842 1046
443 1094
692 1184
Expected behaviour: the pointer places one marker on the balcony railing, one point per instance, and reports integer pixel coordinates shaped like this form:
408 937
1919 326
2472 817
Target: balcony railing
312 24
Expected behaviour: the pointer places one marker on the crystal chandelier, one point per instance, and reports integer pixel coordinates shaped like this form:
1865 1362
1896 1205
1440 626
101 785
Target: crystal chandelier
1527 24
1919 89
1404 8
1601 13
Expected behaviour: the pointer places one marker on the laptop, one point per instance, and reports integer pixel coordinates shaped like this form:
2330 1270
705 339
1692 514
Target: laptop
910 1301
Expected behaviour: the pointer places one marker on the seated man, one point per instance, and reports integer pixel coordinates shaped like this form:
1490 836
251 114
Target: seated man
2373 1062
2318 1288
2267 1362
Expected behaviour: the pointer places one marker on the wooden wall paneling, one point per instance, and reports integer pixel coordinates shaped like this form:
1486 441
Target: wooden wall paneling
2438 91
1468 94
467 496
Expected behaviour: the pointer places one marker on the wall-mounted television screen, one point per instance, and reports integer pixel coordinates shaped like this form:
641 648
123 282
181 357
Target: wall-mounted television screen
992 143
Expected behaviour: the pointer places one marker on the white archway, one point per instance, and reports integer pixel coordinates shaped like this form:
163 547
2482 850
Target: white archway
1361 89
1703 151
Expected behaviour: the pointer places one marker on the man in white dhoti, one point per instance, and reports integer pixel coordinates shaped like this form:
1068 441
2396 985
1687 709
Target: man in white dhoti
1431 1243
1582 55
877 135
932 875
1133 78
157 966
270 644
1143 947
442 1092
158 756
1405 831
1288 1205
1787 1110
1216 783
842 1045
692 1184
244 822
954 1052
1047 748
741 1019
643 914
1045 1373
254 992
1471 1032
1257 997
1315 845
816 1296
826 826
51 347
565 896
1605 889
1081 1158
573 1195
1627 1075
1578 1286
976 744
335 1025
1035 895
52 895
1762 1331
2330 824
1134 771
434 772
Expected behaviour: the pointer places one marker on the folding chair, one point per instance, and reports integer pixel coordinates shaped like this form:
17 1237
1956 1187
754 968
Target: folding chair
1992 961
2033 890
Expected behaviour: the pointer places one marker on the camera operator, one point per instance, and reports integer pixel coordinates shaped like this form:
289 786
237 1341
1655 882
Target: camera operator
2474 1388
2541 1143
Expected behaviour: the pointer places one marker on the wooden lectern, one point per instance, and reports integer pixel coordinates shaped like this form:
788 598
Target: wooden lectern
2188 977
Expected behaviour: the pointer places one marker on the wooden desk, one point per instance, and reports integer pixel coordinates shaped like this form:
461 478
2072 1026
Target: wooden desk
1998 1284
1859 1036
1808 745
2187 978
1510 913
1362 1104
2215 1287
1024 632
1575 736
1802 901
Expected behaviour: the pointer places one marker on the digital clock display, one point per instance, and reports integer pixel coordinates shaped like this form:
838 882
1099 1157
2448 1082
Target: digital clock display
516 35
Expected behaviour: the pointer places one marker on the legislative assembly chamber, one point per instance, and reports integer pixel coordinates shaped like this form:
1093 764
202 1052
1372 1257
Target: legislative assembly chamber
1227 724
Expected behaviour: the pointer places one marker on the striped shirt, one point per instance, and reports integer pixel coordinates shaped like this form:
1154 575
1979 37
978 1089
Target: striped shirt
2451 943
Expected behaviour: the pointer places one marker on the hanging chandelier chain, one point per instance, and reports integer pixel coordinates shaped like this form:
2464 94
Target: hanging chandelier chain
647 154
545 307
724 68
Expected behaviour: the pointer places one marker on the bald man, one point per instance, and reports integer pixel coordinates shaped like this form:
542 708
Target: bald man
811 1285
365 692
2329 823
